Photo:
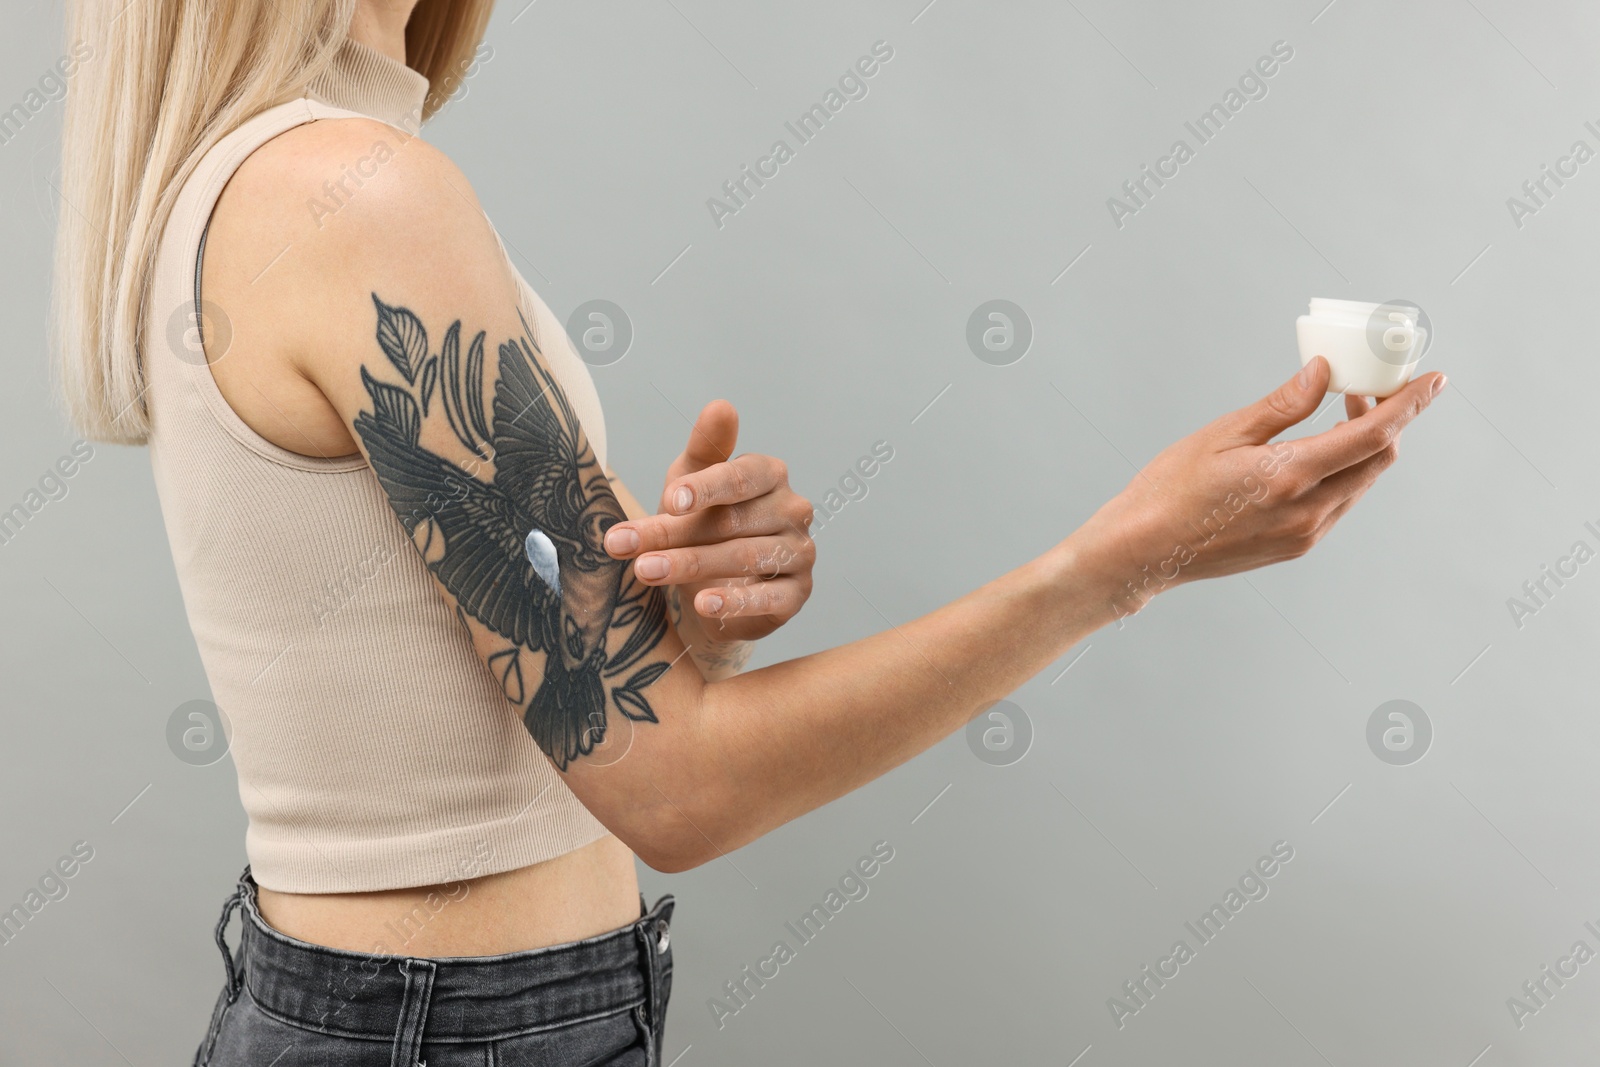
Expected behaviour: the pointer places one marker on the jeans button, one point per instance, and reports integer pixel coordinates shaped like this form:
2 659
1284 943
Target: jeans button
665 938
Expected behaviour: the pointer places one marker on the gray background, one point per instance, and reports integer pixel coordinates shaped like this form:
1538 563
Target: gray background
832 311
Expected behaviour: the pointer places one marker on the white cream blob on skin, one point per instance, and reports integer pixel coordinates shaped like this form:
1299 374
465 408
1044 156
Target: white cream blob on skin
542 554
1371 349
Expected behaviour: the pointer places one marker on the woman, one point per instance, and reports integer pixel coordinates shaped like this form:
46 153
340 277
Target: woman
450 752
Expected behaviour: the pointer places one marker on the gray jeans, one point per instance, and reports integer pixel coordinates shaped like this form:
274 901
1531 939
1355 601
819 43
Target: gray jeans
600 1001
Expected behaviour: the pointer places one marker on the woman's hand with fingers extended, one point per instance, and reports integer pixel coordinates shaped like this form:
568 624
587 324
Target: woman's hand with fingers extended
731 539
1224 499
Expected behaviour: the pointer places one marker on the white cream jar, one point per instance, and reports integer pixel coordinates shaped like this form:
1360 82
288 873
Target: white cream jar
1371 349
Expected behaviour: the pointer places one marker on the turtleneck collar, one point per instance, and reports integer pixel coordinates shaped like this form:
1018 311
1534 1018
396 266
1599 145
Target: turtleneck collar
364 80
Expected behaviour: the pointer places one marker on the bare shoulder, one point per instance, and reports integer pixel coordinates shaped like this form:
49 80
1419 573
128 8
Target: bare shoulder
330 168
324 217
331 189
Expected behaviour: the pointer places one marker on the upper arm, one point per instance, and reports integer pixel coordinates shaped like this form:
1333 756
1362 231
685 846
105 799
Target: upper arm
406 316
630 503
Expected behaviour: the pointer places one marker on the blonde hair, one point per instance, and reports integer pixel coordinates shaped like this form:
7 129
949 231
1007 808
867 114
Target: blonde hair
163 81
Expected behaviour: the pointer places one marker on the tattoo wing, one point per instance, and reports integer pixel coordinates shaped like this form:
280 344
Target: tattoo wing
483 564
537 456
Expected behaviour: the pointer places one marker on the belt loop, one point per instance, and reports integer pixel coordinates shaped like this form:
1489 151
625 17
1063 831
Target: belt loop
413 1012
235 981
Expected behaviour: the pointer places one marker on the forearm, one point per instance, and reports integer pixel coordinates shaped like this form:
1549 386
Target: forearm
775 743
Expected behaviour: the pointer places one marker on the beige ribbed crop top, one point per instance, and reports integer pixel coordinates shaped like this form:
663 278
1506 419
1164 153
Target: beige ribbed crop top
374 749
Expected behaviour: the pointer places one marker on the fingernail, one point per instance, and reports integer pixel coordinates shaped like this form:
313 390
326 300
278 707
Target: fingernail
711 604
683 499
1438 384
620 542
1303 379
651 567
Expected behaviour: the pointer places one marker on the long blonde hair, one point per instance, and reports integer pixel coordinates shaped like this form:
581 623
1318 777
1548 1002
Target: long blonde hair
163 81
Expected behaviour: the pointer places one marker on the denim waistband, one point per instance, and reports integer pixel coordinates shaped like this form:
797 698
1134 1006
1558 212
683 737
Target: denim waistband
464 998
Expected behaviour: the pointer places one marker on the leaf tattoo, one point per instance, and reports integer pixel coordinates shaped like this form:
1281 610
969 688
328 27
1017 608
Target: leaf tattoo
402 338
630 695
508 665
430 375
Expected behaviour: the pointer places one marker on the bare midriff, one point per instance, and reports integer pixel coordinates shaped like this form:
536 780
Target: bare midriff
583 893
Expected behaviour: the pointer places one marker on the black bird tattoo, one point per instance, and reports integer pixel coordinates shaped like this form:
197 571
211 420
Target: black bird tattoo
523 552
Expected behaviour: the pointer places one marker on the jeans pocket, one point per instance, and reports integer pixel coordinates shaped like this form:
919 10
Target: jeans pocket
621 1039
249 1037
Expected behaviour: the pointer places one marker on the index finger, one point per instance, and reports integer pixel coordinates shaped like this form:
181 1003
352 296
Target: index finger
1365 435
711 439
741 478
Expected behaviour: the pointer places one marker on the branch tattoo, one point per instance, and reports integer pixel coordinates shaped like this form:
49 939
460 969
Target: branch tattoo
522 552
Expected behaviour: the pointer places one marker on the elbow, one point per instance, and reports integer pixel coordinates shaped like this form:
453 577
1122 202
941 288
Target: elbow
671 838
671 860
672 854
679 819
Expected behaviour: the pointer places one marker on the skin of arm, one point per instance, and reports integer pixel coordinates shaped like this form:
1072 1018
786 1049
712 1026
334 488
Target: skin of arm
680 767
